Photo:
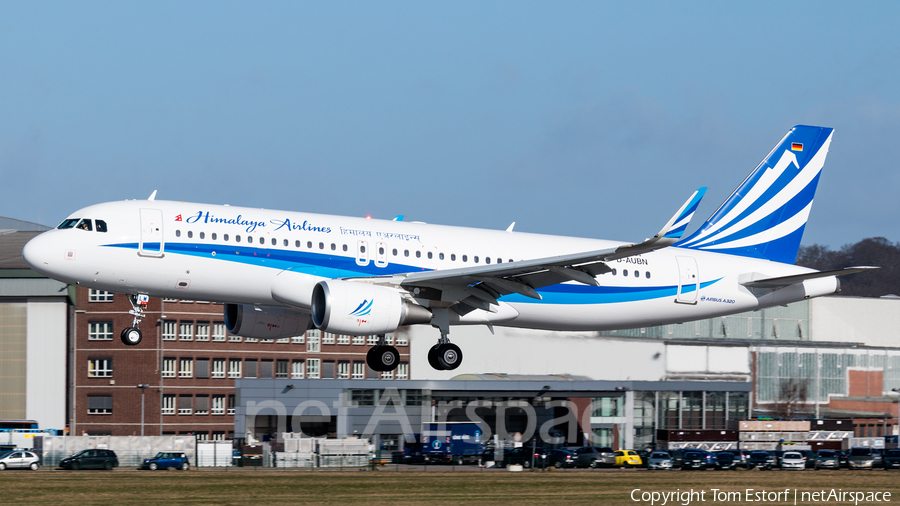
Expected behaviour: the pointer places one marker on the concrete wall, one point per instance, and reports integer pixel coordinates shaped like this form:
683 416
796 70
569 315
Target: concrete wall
45 394
872 321
522 351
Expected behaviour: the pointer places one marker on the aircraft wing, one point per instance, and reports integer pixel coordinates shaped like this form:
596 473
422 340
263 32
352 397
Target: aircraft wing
783 281
479 286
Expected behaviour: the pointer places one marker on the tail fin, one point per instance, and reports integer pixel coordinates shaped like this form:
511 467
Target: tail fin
766 215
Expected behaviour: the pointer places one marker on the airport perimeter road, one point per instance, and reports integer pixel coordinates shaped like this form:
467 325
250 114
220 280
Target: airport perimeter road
416 488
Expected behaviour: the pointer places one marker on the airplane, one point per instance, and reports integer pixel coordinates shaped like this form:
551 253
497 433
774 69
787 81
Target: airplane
279 273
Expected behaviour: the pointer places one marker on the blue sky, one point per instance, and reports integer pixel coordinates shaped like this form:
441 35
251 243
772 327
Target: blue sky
594 119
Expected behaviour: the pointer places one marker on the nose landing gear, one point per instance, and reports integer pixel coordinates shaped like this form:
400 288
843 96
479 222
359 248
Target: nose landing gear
132 335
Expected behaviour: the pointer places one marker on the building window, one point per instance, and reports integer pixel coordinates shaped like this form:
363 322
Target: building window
100 368
203 331
359 340
250 368
99 296
218 370
186 331
402 371
312 368
218 332
281 369
201 405
387 375
168 368
359 370
283 340
298 340
168 405
186 368
234 368
312 343
185 404
373 340
99 404
389 339
234 339
168 331
100 331
402 341
343 370
343 339
230 404
327 338
297 369
266 369
202 366
218 436
218 405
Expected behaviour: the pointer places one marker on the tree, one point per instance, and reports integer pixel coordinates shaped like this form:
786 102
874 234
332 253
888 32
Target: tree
874 251
792 396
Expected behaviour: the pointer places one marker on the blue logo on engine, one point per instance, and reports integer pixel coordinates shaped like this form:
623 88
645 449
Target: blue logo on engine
363 309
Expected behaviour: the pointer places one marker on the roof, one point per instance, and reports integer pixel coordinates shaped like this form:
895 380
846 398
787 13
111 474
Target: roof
20 226
521 377
11 244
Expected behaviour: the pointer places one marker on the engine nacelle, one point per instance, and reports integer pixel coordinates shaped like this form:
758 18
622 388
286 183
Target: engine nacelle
265 322
362 309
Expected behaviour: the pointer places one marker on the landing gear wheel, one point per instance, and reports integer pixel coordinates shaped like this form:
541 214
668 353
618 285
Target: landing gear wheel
383 358
433 358
370 358
131 336
449 356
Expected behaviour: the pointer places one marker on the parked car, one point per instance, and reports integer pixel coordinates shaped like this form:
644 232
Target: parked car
627 458
19 459
761 460
693 459
793 460
561 458
593 456
777 454
726 461
891 459
677 457
862 457
741 457
844 458
660 460
165 460
516 456
810 458
827 459
91 459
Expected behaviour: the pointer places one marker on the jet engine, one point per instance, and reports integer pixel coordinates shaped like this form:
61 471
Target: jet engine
265 322
362 309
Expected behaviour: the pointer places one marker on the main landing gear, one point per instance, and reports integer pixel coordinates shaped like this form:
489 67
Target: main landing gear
132 335
444 356
382 357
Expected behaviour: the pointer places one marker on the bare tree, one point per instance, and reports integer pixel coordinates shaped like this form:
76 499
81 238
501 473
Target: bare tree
792 397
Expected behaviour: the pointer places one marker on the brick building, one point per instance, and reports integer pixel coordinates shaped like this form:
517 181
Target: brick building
188 362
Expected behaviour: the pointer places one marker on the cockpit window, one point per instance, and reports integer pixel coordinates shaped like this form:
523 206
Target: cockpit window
69 223
101 225
85 224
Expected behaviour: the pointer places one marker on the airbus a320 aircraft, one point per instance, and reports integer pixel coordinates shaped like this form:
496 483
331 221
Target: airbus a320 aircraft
280 272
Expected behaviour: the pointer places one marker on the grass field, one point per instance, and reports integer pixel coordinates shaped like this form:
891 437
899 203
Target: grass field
570 488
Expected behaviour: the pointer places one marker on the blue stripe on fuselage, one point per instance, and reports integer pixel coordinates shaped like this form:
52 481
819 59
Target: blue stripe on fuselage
332 266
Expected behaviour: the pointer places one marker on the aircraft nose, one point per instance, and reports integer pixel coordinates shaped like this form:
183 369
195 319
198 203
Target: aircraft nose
37 253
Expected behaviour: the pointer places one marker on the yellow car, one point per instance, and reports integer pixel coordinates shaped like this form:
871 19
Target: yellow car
628 458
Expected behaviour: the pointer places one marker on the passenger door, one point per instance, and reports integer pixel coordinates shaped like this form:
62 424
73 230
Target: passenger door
688 280
152 241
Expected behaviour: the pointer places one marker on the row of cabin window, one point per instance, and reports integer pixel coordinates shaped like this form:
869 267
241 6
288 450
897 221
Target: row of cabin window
362 249
637 273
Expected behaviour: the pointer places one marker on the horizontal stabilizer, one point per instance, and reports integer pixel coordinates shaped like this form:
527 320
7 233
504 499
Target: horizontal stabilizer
799 278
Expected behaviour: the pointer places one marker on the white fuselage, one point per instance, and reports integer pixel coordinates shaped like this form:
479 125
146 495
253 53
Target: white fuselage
233 254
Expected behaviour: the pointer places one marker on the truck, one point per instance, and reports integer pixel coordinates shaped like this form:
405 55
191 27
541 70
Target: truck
452 442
